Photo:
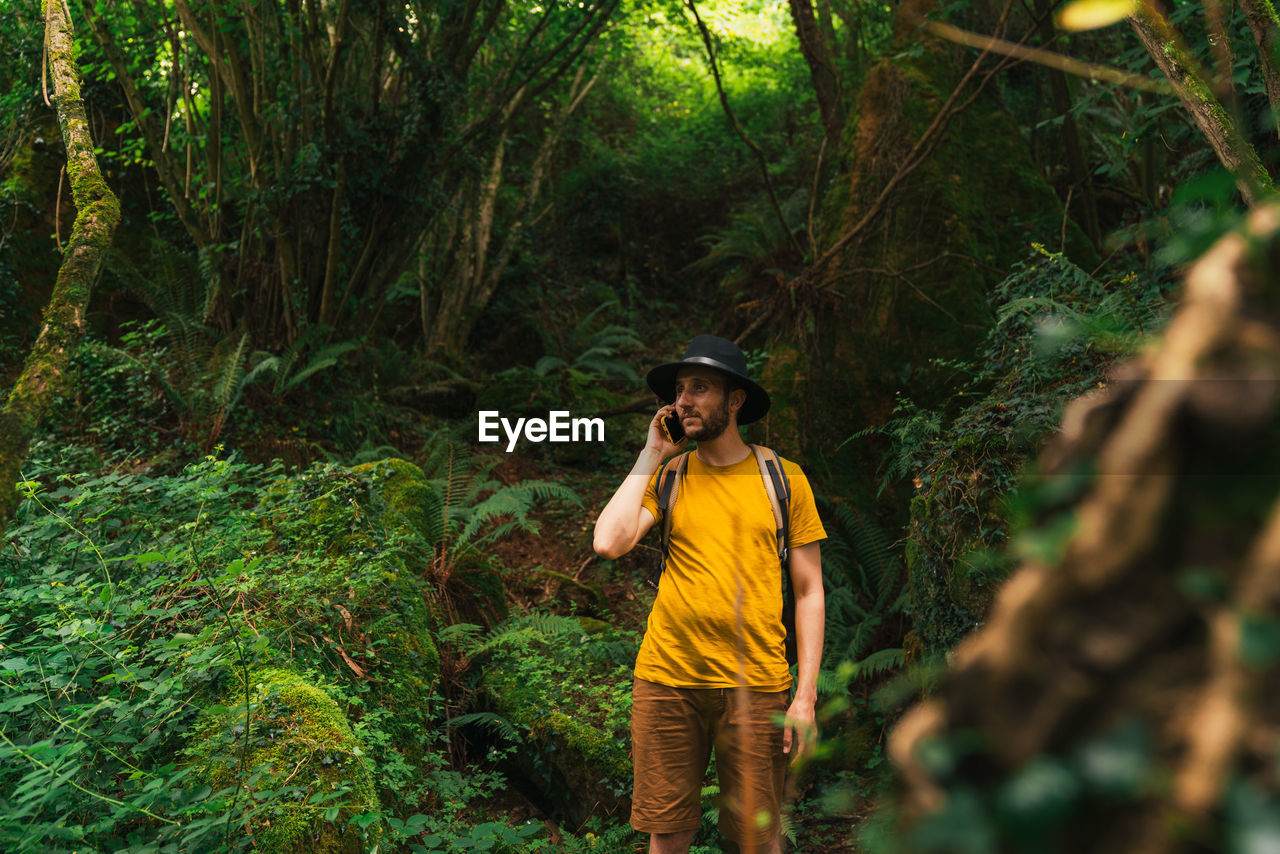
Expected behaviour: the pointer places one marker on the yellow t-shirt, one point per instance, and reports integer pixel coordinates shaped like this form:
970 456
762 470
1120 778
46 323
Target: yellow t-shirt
717 621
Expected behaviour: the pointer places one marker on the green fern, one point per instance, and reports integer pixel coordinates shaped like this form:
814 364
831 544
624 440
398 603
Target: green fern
230 376
463 636
753 242
514 634
325 356
477 509
595 352
880 661
495 723
866 586
204 373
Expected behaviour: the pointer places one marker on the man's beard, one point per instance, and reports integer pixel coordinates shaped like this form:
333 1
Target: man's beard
712 425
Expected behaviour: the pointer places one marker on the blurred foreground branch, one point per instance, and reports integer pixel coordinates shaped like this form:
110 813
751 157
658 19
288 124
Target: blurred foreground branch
1147 624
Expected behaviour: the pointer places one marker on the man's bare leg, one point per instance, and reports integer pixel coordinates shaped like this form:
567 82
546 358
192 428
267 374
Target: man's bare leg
671 843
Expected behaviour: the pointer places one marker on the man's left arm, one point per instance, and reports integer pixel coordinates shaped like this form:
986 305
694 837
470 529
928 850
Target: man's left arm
811 613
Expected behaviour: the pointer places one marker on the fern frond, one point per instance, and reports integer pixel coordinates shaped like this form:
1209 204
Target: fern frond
493 722
496 506
324 358
880 661
465 636
525 630
549 490
831 682
290 355
547 364
230 378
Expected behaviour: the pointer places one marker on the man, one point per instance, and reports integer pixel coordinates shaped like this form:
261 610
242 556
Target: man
712 669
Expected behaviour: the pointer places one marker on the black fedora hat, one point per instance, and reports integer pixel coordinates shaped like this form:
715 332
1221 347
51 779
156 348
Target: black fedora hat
711 351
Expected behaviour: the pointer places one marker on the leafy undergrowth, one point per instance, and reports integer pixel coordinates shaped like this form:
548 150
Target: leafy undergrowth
229 657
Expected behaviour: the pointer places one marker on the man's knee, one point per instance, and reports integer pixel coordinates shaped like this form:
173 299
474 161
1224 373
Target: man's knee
671 843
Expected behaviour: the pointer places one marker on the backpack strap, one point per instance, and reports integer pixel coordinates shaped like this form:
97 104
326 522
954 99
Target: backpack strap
778 488
669 479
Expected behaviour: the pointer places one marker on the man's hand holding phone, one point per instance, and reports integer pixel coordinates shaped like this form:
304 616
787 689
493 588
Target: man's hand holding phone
666 433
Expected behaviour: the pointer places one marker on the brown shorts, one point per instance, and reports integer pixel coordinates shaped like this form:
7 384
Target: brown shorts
672 733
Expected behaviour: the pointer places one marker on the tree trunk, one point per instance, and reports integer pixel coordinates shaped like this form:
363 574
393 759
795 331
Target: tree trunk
825 83
1206 112
97 214
1077 168
474 277
1265 26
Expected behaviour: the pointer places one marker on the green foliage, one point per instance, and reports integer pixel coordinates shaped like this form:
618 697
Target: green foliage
20 32
866 594
755 244
266 175
568 692
1057 329
597 350
287 368
169 640
202 373
115 625
1040 805
658 165
471 510
9 299
489 836
587 365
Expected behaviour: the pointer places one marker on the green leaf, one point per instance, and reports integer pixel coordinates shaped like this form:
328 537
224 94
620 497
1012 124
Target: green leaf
15 703
1116 764
1259 640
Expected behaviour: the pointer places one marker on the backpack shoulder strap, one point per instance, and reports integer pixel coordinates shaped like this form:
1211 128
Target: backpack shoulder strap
670 476
777 487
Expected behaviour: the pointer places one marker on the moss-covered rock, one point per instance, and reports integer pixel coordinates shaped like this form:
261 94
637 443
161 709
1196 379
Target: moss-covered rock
297 744
410 505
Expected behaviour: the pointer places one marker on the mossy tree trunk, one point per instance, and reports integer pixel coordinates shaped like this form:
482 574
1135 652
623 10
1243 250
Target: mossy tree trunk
97 214
1208 114
940 198
1264 23
817 53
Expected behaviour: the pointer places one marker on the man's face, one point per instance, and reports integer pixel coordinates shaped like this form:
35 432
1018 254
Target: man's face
702 403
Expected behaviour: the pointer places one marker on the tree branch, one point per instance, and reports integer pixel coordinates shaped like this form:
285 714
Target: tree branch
742 134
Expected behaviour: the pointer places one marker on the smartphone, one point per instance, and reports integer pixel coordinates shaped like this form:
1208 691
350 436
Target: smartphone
673 428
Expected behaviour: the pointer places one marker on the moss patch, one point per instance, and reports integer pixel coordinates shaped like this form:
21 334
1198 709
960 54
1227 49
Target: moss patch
356 587
410 504
300 746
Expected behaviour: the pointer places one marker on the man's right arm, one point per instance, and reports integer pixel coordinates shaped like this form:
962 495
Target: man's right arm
624 520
